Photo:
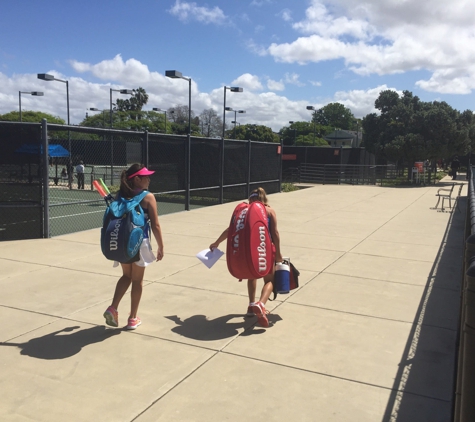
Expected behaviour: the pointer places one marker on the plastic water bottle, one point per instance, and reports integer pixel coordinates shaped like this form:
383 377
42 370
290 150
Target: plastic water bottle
282 277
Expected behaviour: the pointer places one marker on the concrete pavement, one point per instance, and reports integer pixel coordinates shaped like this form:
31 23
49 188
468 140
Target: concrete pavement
369 336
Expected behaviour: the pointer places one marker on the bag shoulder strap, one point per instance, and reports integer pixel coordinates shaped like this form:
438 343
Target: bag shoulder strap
133 202
121 206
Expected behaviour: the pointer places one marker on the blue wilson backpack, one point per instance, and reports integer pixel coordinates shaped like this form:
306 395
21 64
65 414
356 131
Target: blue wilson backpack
123 228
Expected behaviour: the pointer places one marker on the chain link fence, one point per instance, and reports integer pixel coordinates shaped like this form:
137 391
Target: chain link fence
46 194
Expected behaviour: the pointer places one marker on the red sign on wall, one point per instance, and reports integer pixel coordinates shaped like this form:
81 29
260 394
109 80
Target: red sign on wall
289 157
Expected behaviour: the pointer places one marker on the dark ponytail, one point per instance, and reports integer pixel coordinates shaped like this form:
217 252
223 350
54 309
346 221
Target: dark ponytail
126 184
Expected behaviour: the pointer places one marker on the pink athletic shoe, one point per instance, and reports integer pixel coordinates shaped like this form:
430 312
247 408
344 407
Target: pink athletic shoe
112 317
260 311
133 323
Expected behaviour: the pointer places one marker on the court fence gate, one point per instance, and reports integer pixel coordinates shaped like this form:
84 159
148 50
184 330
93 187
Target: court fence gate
42 195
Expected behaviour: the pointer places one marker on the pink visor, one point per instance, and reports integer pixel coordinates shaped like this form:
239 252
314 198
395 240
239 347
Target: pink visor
142 172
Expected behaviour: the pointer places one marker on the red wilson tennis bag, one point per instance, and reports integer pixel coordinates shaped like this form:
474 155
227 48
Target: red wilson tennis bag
249 250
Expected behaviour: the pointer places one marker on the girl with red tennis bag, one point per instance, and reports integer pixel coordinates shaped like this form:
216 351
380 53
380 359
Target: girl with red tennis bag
249 252
253 245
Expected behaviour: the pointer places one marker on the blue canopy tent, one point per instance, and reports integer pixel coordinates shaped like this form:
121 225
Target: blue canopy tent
54 150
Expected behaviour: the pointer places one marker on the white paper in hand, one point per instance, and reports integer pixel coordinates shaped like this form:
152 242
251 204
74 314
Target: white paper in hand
209 257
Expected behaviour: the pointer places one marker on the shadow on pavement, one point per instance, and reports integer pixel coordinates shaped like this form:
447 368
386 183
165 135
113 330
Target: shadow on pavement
198 327
58 345
428 364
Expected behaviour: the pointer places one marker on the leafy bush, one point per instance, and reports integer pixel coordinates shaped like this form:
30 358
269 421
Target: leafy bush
289 187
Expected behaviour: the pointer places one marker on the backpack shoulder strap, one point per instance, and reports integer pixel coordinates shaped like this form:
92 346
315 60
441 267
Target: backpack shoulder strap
132 203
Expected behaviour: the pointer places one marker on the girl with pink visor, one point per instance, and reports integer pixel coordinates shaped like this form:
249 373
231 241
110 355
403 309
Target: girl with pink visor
133 181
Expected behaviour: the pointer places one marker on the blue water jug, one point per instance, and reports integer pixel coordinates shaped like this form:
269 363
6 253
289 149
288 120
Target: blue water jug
282 277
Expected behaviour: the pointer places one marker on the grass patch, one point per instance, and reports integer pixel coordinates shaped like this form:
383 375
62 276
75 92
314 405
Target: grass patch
289 187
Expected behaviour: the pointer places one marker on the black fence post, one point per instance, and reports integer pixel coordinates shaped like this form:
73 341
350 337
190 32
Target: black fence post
467 384
45 177
249 168
281 153
221 170
112 158
145 148
188 171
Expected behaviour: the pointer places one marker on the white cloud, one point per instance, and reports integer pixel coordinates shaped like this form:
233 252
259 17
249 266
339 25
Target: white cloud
275 85
450 81
293 79
260 3
186 12
321 22
360 102
248 81
308 49
256 48
387 37
286 15
264 108
116 69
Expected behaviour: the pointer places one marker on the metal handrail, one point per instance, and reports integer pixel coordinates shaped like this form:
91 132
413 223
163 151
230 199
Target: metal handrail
464 408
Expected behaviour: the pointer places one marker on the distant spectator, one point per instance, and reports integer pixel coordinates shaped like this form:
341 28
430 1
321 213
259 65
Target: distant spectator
455 165
64 174
80 174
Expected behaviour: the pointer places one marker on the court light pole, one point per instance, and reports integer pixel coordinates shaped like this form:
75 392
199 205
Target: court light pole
103 115
225 110
295 131
174 74
34 93
48 77
232 89
165 113
122 91
314 121
235 120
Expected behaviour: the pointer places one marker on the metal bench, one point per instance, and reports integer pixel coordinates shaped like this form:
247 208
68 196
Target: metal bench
446 193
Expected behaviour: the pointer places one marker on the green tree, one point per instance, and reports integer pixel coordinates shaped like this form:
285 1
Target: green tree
134 103
37 117
254 133
335 115
302 133
96 119
211 123
31 116
179 117
409 130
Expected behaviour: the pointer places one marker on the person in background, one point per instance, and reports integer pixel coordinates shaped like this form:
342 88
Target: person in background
133 181
455 165
258 308
80 174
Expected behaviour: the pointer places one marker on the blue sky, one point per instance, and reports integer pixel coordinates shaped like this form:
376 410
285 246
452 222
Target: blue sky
284 54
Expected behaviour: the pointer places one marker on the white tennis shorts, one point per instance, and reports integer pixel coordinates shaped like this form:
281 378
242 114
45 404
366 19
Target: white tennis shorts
146 255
